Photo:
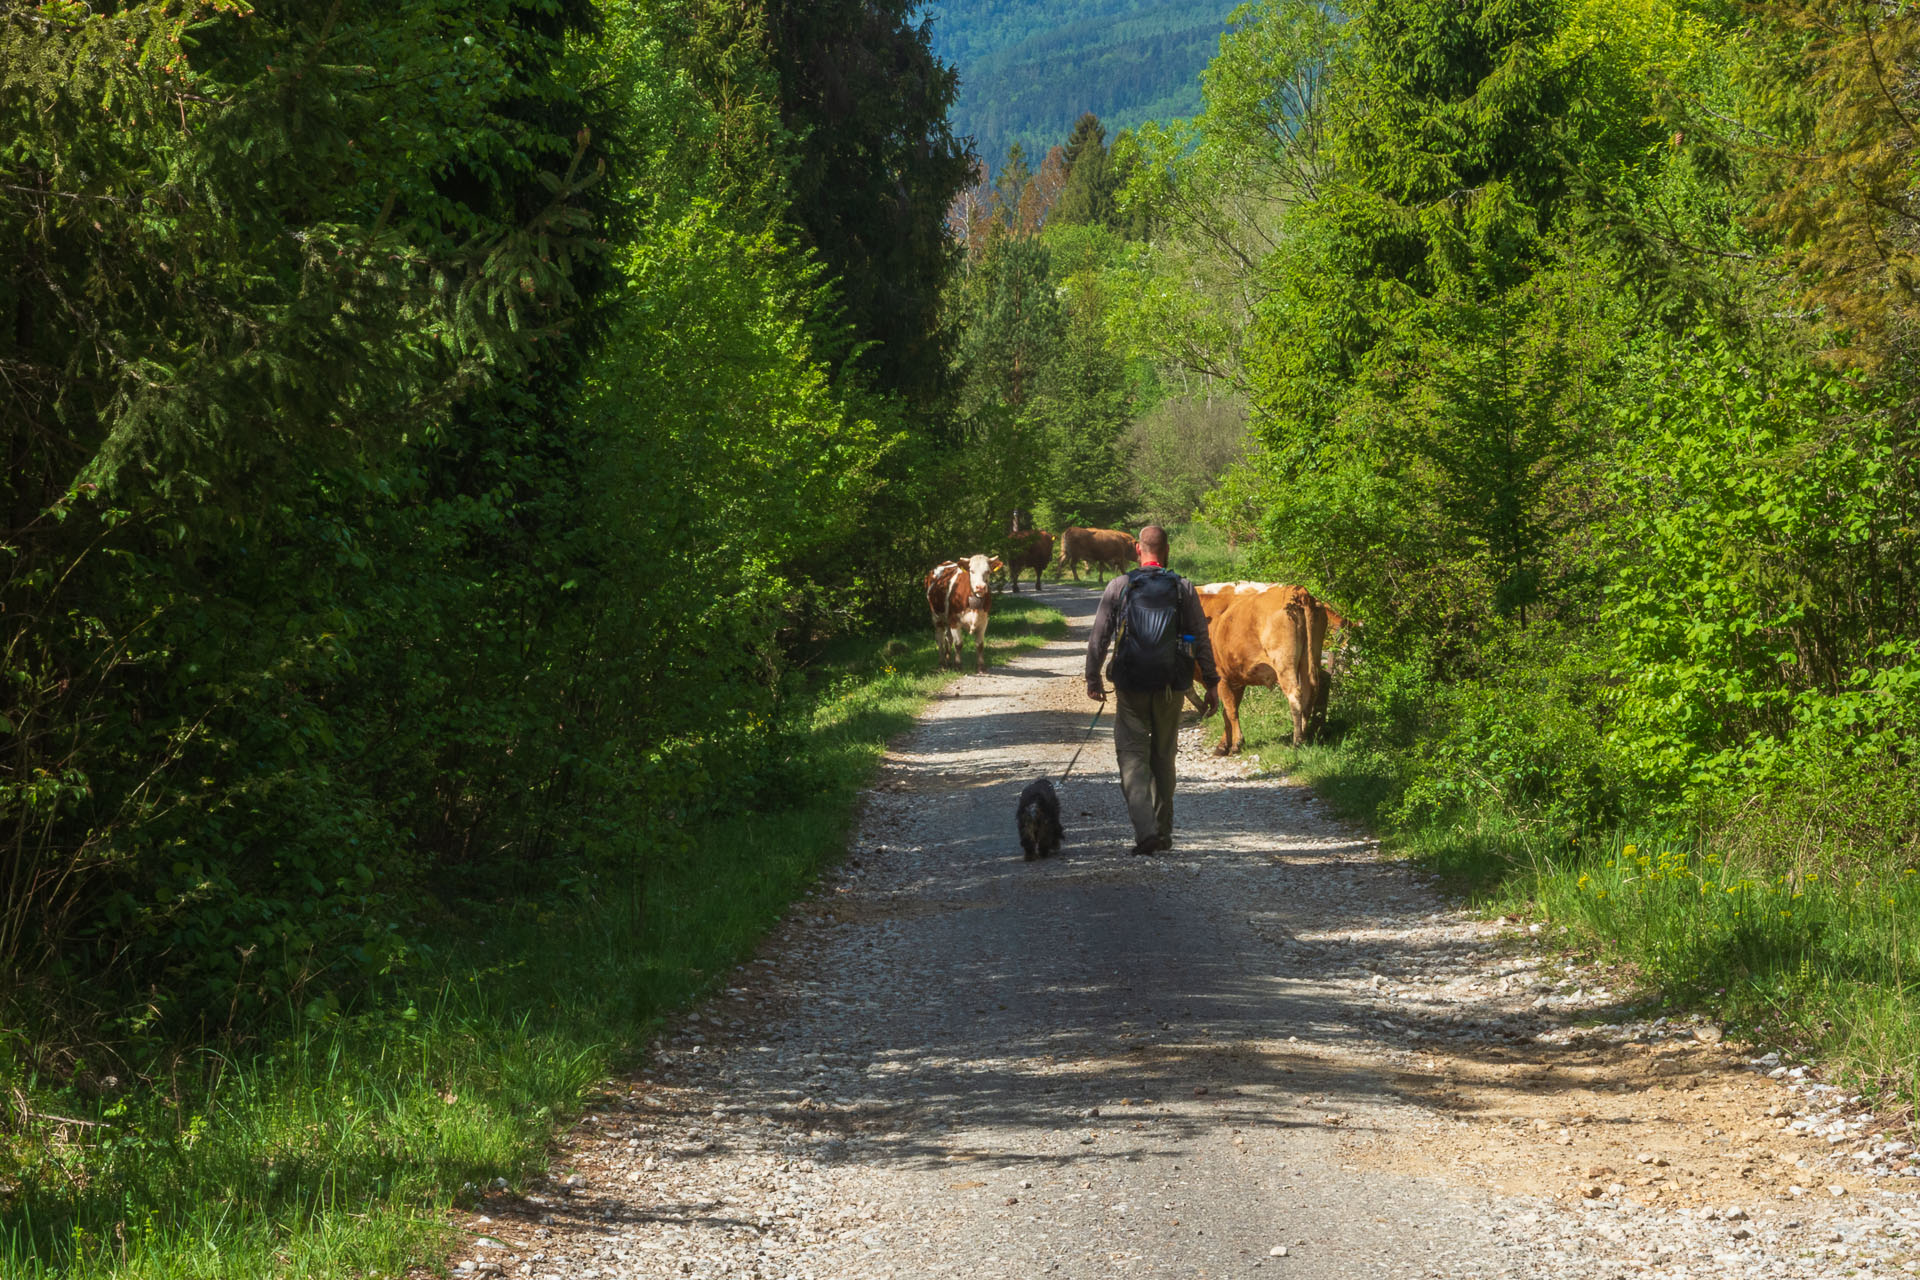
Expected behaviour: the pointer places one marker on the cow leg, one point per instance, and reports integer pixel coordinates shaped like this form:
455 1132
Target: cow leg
1229 719
1317 708
1296 700
980 647
940 639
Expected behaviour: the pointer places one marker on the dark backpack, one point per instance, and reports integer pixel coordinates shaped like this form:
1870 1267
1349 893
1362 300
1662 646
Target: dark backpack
1147 652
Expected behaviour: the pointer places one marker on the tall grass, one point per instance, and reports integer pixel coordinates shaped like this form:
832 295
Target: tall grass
1200 553
1806 944
339 1151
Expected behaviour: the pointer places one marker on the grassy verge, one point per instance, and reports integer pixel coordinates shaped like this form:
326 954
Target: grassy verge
1200 552
339 1152
1773 925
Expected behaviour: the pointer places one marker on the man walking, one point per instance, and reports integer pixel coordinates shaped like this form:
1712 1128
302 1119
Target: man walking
1152 618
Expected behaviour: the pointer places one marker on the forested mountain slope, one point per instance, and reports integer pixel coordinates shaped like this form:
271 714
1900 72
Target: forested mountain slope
1028 69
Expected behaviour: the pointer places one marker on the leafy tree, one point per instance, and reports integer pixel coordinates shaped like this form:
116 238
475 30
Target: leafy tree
1039 202
1083 409
970 217
1764 599
1439 316
1215 190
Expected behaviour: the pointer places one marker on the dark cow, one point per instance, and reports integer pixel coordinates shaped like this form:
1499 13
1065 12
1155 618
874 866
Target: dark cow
959 600
1027 549
1106 548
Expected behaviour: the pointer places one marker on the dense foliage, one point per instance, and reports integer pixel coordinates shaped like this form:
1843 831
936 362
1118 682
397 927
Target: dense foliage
1578 342
441 436
434 431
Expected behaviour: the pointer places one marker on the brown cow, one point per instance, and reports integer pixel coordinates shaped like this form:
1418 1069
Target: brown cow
1107 548
1030 549
960 601
1269 635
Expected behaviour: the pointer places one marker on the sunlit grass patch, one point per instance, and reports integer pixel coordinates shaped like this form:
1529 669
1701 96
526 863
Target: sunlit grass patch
1201 552
1825 955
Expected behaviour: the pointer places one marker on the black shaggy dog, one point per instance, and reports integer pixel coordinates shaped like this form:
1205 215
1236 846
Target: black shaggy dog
1038 818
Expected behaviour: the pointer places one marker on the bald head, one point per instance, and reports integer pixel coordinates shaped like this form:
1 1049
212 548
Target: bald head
1153 540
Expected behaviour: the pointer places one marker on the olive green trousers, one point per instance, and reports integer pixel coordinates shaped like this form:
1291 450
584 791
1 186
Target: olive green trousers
1146 729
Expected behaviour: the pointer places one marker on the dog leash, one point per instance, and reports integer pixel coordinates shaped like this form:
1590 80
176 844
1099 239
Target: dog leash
1083 742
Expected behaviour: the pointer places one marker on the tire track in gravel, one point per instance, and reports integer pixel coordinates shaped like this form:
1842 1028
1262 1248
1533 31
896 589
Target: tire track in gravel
1269 1052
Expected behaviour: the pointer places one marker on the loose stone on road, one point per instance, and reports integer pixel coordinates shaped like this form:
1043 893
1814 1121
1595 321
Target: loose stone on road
1269 1052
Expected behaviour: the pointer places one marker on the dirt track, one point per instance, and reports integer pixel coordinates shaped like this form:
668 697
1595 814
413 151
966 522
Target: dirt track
1268 1052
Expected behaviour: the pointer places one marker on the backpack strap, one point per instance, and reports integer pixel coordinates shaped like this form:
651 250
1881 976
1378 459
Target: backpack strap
1120 607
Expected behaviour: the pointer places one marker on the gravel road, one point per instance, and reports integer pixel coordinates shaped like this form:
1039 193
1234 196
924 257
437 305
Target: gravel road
1268 1052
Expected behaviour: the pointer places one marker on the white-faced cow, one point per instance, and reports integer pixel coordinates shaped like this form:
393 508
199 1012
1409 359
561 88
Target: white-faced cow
960 601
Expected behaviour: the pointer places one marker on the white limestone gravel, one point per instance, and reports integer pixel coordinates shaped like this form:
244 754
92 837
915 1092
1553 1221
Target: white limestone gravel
1268 1051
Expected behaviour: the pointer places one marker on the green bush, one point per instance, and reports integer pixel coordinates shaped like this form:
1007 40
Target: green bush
1525 736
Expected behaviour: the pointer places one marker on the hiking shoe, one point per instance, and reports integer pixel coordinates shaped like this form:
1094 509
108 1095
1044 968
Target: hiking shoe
1146 844
1163 843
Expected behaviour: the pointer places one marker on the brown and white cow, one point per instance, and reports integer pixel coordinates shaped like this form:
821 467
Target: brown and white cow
1107 548
960 600
1270 635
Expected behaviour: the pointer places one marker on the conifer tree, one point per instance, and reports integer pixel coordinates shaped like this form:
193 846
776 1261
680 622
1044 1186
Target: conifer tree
1088 196
1009 322
1846 205
1010 187
875 169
